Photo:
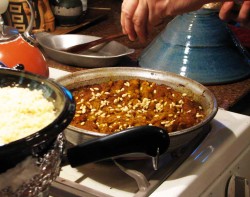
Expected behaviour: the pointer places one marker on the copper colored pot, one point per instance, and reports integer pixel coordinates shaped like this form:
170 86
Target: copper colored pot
20 49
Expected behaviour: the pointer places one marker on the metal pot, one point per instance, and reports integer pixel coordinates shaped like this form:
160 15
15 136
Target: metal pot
182 84
16 49
36 143
44 148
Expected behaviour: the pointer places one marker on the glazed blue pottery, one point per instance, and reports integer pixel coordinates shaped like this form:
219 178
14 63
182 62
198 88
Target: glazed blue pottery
198 45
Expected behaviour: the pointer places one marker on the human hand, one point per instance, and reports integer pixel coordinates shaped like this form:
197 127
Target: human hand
139 17
227 13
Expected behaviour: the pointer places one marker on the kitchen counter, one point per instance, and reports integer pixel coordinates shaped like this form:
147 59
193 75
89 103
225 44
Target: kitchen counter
233 96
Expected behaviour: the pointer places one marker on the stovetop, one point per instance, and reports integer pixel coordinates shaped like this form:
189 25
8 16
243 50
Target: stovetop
223 153
213 157
125 176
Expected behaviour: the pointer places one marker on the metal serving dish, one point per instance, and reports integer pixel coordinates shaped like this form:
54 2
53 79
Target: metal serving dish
179 83
104 55
37 143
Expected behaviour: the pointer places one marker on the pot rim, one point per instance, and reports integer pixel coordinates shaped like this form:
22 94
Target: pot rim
112 72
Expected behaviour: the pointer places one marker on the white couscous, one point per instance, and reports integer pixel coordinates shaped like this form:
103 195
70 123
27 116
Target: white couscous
23 112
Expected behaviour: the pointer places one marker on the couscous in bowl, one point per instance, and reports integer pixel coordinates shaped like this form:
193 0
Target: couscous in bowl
13 150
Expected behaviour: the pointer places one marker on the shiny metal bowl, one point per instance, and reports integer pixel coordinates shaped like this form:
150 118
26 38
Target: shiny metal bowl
196 90
36 144
104 55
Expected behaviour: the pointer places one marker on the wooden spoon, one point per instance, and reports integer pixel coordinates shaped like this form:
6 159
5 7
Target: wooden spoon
85 46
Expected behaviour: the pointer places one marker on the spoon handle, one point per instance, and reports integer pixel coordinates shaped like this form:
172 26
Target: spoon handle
88 45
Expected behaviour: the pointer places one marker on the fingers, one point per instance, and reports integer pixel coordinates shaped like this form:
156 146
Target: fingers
156 13
134 19
140 17
127 12
140 20
226 12
244 14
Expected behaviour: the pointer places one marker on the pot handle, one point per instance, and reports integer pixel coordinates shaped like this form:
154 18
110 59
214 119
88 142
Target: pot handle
27 32
150 140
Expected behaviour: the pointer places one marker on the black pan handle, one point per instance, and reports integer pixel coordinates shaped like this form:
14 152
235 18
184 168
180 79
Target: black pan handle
150 140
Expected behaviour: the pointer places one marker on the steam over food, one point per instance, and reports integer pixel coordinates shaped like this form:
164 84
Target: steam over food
22 113
116 105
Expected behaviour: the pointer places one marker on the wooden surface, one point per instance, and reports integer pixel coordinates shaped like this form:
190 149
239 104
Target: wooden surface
233 96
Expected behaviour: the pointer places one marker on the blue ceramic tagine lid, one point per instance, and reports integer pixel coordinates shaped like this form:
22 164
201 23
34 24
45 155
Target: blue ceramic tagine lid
200 46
